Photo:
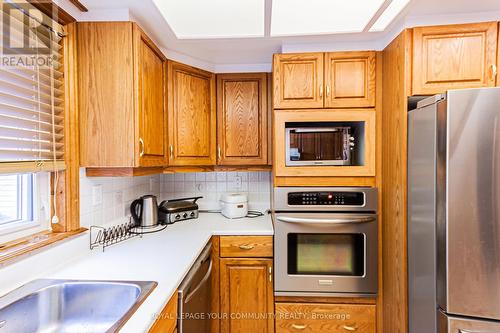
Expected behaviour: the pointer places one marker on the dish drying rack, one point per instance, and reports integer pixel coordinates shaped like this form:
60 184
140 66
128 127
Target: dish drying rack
107 236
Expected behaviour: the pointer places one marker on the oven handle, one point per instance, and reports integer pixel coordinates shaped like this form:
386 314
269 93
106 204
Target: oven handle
349 220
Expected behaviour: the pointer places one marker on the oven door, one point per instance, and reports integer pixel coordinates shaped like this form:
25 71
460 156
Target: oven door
332 253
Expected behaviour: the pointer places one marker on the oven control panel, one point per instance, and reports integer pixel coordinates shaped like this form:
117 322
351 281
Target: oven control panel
326 198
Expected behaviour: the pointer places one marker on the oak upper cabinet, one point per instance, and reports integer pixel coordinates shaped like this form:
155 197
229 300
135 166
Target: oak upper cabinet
454 57
242 119
298 80
121 96
350 79
246 287
191 115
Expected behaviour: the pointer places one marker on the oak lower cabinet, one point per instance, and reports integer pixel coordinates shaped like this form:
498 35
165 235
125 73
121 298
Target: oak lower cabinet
122 84
321 318
242 119
454 57
166 321
246 295
191 115
324 80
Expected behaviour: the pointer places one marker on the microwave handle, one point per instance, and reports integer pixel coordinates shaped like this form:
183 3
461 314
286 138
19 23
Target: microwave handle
290 219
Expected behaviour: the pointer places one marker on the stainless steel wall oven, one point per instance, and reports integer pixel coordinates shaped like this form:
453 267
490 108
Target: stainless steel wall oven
326 241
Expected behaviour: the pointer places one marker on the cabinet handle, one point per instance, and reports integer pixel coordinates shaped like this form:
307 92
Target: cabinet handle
493 71
218 153
270 273
299 327
320 91
327 91
246 247
350 328
141 147
171 151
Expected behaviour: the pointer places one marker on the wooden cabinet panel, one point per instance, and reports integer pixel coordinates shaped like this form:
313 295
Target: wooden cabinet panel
350 79
246 246
366 116
498 58
166 321
151 102
453 57
319 318
191 115
298 80
106 100
242 119
246 296
121 97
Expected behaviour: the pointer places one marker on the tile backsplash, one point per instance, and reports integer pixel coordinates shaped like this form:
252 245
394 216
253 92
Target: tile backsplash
106 200
117 195
211 185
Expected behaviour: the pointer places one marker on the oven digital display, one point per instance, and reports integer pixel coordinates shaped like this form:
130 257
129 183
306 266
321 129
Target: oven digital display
326 254
326 198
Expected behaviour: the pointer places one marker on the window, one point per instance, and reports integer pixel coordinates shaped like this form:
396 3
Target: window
16 198
31 118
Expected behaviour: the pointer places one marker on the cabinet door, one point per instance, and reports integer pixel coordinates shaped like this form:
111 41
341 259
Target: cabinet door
191 115
246 296
453 57
350 79
242 119
495 72
298 80
150 99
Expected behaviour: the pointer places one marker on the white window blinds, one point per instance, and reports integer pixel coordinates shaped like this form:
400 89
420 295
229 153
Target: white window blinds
31 91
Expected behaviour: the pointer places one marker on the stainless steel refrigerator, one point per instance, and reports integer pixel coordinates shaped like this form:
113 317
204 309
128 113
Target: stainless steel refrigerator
454 213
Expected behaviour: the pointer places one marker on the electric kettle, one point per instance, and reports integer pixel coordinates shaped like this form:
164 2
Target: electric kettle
145 211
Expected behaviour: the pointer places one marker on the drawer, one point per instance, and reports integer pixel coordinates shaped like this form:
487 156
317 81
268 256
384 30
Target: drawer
320 318
246 246
166 321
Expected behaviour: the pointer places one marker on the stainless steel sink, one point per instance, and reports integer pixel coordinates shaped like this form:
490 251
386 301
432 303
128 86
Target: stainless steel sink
71 305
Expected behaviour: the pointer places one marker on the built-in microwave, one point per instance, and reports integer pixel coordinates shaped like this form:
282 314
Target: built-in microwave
324 143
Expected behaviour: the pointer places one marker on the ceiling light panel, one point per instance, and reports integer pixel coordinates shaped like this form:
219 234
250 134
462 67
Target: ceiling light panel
389 14
201 19
314 17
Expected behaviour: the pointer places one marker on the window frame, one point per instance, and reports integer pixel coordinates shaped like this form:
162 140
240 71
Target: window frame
66 193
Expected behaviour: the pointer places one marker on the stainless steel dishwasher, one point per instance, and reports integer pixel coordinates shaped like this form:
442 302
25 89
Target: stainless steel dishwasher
195 295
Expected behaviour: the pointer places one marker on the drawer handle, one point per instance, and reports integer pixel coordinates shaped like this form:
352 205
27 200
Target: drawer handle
246 247
299 327
350 328
141 147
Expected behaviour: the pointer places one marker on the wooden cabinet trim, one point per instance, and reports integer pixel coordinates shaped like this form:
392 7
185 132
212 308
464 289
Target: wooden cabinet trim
448 67
246 246
352 89
260 136
315 99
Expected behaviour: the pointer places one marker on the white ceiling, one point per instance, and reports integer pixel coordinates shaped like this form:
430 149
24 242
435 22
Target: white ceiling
255 53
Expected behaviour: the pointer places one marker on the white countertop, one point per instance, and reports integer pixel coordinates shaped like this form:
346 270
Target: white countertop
164 257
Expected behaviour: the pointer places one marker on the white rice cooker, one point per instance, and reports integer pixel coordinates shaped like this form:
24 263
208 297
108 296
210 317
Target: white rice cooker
234 205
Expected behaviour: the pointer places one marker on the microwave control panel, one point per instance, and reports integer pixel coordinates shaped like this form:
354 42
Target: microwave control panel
326 198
